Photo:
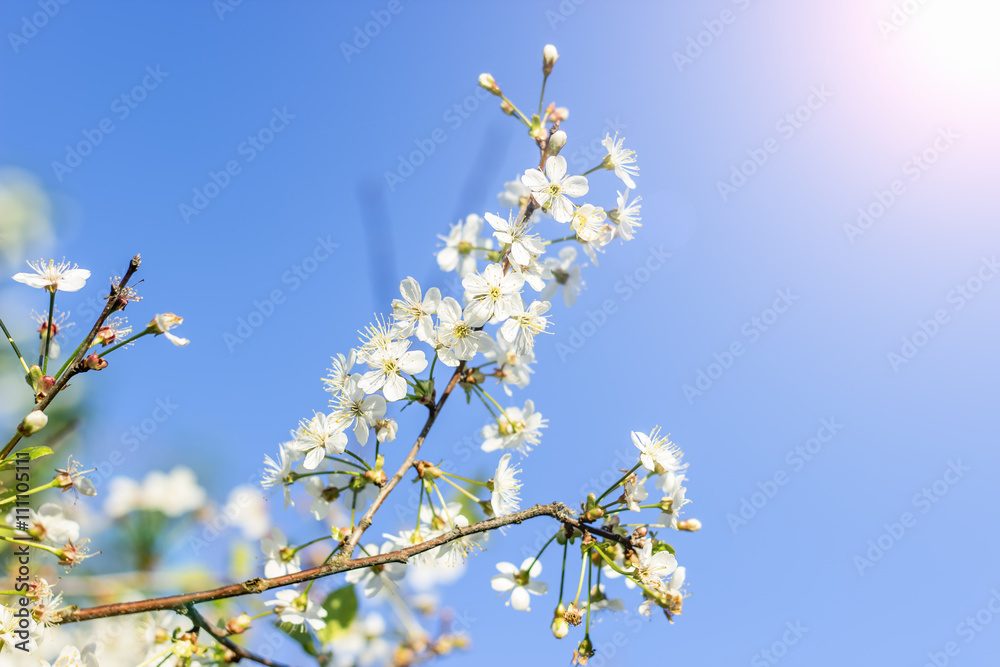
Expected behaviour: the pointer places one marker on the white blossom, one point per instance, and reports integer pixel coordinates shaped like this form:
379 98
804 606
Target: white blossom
457 337
523 246
565 274
492 295
506 497
463 246
387 364
52 277
622 160
553 189
519 582
319 437
412 313
515 428
353 407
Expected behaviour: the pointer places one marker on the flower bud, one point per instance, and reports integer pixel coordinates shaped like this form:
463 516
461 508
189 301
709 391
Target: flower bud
238 625
549 58
507 108
95 363
559 114
489 83
556 142
385 430
690 525
560 628
33 423
584 652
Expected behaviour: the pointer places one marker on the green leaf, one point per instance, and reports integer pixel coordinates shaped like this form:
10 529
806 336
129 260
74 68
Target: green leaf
341 608
32 452
300 635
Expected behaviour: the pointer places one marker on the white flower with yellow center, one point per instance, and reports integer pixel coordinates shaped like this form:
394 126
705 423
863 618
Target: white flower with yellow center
519 582
653 567
319 437
413 312
622 160
387 364
354 408
589 222
493 295
458 338
53 277
521 328
553 189
463 246
523 246
626 216
515 428
506 498
655 450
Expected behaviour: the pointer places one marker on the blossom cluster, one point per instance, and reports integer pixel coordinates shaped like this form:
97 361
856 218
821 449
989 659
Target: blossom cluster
336 466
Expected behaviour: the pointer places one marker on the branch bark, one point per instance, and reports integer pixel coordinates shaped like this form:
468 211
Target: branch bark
178 603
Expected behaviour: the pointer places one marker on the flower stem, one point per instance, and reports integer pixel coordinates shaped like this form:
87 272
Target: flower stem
620 481
312 542
562 579
43 487
464 479
583 568
43 355
542 550
124 342
541 98
524 119
10 340
467 494
358 458
565 238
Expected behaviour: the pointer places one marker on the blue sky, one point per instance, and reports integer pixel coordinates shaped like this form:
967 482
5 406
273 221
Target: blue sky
764 132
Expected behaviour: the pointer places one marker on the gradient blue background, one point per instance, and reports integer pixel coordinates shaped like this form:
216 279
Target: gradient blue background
826 358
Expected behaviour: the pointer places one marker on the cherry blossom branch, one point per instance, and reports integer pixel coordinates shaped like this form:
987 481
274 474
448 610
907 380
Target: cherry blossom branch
366 520
199 621
256 586
73 365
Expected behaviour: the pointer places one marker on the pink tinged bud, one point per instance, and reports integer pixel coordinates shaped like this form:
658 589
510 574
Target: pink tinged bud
690 525
507 108
489 83
549 58
43 386
95 363
33 423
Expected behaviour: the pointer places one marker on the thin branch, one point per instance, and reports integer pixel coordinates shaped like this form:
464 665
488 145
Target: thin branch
199 621
366 520
557 511
73 366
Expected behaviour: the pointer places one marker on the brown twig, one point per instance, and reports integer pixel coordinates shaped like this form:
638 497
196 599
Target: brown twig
73 367
256 586
199 621
366 520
